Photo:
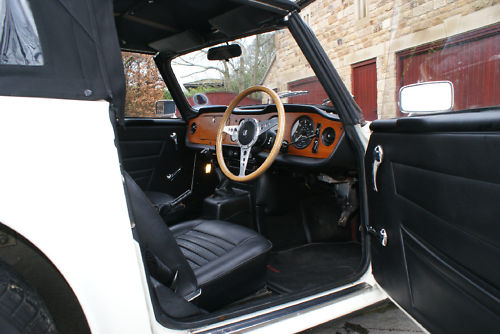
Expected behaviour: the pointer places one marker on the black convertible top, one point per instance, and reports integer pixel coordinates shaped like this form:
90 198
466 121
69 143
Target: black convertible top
176 27
80 52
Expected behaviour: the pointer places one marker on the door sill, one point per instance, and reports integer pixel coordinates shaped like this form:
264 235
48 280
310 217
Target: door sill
306 313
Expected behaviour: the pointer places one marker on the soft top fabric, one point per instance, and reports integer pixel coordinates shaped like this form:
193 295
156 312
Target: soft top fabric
81 55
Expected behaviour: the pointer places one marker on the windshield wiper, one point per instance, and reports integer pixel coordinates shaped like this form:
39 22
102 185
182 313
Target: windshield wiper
290 93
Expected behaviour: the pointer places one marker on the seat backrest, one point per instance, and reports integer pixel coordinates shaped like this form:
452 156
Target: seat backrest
164 259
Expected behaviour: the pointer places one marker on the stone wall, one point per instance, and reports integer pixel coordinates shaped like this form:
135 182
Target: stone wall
389 27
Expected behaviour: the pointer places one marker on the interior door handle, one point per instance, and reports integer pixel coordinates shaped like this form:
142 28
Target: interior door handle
378 156
173 136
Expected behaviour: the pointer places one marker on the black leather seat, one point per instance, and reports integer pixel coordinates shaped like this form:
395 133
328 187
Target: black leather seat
226 262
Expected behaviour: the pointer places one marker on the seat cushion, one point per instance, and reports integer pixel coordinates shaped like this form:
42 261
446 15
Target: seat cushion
228 260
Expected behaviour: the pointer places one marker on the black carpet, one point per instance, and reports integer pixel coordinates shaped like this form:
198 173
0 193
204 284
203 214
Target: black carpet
312 265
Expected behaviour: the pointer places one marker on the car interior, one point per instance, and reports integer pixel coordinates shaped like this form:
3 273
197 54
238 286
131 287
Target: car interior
235 209
261 214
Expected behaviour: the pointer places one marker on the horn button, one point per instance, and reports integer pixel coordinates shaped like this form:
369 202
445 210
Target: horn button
247 132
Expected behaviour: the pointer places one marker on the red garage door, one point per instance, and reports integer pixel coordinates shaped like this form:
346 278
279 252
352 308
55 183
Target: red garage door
471 61
364 87
316 93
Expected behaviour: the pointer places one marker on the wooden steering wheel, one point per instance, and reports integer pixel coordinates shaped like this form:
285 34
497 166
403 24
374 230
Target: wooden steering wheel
246 134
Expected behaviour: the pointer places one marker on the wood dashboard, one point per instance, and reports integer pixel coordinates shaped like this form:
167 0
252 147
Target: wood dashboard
203 130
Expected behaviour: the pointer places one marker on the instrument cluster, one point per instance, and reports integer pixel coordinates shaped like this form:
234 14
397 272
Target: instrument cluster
309 132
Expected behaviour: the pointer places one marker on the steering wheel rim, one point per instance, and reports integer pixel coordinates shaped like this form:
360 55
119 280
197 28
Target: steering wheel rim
246 147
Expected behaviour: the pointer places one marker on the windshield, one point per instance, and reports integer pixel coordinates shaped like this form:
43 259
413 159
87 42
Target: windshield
217 82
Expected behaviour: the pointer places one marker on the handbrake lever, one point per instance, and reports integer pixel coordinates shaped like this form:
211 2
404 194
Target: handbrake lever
180 198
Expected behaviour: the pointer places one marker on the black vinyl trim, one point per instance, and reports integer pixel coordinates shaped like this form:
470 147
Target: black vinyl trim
156 121
484 120
163 63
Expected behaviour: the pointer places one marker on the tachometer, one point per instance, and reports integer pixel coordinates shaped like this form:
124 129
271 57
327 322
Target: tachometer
302 132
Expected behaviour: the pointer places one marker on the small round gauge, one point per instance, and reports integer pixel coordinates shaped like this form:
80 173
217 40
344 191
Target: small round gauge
302 132
328 136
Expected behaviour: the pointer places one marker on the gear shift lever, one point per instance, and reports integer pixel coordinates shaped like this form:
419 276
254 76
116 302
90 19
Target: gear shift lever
224 187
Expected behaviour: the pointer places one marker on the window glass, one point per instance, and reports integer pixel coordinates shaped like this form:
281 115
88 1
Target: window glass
217 82
470 61
147 95
19 41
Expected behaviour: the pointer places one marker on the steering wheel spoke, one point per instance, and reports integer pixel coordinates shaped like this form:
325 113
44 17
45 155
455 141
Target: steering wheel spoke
244 155
230 129
268 125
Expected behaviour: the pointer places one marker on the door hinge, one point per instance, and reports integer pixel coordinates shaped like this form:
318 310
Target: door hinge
380 235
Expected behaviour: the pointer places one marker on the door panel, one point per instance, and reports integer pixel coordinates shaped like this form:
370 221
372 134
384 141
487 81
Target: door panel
449 295
149 154
437 199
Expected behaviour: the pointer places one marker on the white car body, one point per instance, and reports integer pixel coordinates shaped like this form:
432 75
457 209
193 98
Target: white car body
78 215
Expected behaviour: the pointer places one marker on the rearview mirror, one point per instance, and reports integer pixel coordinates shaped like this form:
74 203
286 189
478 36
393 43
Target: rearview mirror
426 97
224 52
165 108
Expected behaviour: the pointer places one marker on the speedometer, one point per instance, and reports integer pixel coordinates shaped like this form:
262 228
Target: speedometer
302 132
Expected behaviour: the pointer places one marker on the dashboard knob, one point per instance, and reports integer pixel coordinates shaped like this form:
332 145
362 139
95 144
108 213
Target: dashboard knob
284 146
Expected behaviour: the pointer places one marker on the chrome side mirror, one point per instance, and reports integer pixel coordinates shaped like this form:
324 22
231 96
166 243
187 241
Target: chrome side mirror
426 97
165 108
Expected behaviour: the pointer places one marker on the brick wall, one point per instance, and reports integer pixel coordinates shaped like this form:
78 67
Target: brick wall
389 26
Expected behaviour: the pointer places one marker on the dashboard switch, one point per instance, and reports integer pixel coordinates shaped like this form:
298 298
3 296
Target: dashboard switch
315 145
284 146
318 130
